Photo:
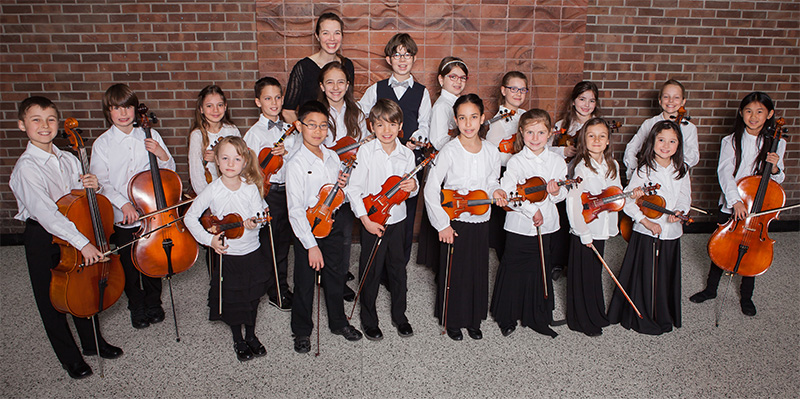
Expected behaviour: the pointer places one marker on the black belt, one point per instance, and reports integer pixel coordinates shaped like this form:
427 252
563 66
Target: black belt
277 187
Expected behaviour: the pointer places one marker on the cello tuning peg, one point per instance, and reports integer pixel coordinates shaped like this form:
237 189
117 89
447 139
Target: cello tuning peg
153 117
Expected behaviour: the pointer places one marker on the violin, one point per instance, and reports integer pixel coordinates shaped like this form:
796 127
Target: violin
653 207
535 188
170 250
346 147
85 291
611 199
681 118
474 202
232 223
269 163
507 115
208 175
743 246
380 205
331 197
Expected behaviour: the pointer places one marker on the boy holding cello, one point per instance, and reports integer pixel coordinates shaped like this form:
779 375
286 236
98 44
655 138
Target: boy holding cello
41 176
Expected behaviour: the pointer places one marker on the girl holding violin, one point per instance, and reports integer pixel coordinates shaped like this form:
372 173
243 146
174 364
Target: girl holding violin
212 122
743 153
651 269
275 142
520 290
346 120
245 268
464 164
42 175
594 163
117 155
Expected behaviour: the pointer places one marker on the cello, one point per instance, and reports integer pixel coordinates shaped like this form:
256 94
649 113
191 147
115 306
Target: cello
85 291
743 246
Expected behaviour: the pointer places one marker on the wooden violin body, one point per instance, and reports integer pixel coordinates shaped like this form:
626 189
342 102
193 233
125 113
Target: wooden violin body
347 147
535 188
379 205
270 163
506 146
652 206
232 224
475 202
612 199
331 197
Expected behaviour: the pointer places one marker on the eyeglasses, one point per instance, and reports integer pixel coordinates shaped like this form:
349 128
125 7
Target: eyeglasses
406 56
455 78
313 126
517 90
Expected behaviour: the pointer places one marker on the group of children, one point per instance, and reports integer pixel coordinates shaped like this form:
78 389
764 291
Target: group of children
225 172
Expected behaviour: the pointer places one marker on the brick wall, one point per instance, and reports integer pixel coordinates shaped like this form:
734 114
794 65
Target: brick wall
720 50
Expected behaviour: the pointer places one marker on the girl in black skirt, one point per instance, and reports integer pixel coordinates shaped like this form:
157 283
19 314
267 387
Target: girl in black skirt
651 270
520 292
595 164
466 163
245 272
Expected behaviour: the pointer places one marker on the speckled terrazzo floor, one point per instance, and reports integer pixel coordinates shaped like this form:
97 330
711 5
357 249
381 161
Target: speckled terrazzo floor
744 357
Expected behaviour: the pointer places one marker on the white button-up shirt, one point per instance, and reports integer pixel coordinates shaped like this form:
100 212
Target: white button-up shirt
523 165
502 129
463 171
260 136
38 181
605 226
727 159
221 201
374 166
370 97
677 195
337 117
305 175
117 157
442 120
197 172
691 148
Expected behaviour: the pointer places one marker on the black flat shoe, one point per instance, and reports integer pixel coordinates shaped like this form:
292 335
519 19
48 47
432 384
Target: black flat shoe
506 331
350 276
349 333
243 352
349 294
474 333
139 320
302 344
557 272
284 306
154 315
78 370
373 334
702 296
256 347
455 334
107 351
593 333
404 330
748 307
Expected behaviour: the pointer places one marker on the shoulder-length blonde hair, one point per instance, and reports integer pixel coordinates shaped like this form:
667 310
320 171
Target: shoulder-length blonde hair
250 171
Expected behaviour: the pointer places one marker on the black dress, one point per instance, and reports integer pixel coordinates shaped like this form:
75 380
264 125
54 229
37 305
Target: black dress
245 279
586 307
303 82
636 276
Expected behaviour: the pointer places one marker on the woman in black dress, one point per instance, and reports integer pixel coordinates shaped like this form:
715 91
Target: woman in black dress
303 83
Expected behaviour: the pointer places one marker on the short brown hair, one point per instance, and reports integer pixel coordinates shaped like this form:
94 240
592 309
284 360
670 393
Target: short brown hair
386 110
400 39
118 95
42 102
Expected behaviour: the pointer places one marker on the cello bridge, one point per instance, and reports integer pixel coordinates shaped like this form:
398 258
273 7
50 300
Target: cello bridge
749 229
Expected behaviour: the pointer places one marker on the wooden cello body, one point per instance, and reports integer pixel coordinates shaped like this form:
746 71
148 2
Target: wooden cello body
169 250
74 289
743 246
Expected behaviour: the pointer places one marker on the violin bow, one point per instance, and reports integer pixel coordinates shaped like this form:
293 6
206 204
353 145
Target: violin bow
117 249
613 277
447 285
274 262
222 239
366 272
656 250
762 213
169 208
318 277
541 257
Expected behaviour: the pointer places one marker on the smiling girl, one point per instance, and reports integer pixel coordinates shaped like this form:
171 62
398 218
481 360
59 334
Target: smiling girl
212 121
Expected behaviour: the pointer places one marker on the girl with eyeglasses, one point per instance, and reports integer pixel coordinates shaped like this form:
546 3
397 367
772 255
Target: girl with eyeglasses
453 75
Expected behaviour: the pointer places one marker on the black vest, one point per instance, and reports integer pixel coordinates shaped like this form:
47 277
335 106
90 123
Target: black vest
409 104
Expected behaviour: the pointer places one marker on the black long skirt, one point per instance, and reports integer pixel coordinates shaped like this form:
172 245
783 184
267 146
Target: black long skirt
468 298
636 276
428 244
244 282
519 286
586 307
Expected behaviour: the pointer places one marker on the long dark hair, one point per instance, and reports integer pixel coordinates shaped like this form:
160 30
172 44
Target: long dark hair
647 156
352 113
200 122
764 139
470 98
569 115
583 150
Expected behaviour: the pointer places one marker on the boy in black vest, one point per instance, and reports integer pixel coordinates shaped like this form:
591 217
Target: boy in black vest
414 100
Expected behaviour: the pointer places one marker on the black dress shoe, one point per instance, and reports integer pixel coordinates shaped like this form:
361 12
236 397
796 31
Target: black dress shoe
107 351
302 344
242 350
256 347
350 276
702 296
593 333
404 330
557 272
349 333
285 304
139 320
78 370
154 315
474 333
455 334
349 294
373 334
506 331
748 307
